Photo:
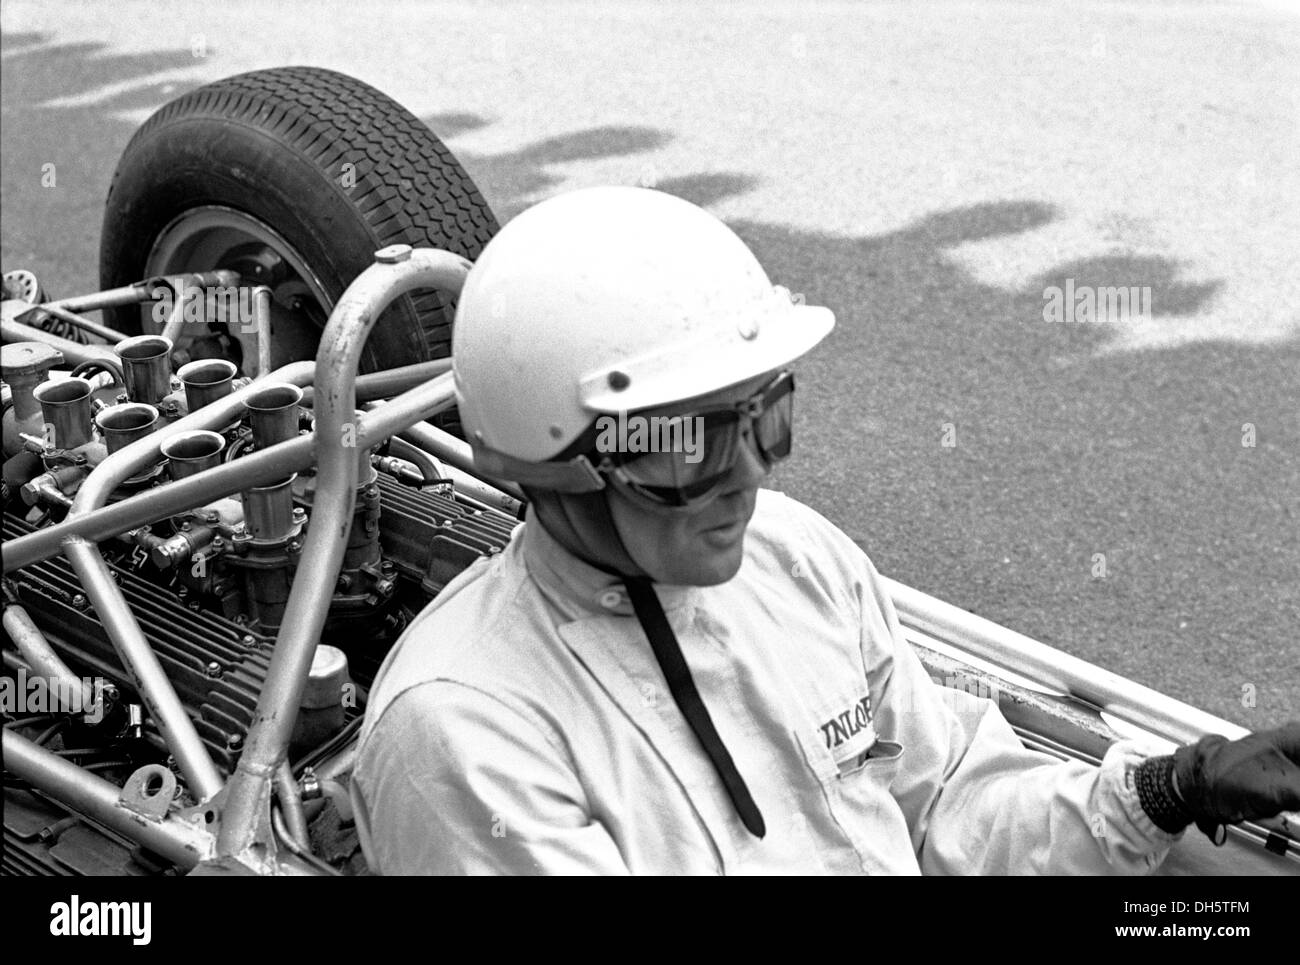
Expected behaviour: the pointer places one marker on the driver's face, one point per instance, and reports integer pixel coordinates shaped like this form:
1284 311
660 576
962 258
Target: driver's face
704 546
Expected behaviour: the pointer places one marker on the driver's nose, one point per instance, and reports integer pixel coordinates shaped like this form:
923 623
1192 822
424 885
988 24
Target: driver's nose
750 469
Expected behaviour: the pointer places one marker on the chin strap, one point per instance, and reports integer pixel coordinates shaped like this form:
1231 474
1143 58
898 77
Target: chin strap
668 653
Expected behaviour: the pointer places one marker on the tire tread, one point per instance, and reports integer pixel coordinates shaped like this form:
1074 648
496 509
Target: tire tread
409 188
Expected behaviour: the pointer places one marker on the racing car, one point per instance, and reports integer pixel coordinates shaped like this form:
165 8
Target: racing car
226 498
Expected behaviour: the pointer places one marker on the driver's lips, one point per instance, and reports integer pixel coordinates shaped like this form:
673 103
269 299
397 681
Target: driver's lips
724 537
727 518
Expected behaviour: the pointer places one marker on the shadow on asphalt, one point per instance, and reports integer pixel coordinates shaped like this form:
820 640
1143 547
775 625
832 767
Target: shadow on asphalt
55 230
1062 452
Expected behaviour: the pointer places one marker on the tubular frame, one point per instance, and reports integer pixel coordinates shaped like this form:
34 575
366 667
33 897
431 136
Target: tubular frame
398 270
89 794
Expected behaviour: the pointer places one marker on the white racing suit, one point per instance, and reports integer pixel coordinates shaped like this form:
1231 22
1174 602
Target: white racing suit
522 725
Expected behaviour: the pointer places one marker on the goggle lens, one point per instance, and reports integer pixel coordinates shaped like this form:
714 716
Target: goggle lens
707 450
774 427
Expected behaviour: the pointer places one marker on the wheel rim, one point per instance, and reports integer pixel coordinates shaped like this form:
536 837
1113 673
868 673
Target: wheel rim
214 237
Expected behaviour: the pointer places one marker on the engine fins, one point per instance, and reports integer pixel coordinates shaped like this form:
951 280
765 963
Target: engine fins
216 665
431 537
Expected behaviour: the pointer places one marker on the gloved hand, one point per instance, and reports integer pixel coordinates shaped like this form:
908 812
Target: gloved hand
1217 781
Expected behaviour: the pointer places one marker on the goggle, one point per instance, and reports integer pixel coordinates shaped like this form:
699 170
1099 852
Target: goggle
703 447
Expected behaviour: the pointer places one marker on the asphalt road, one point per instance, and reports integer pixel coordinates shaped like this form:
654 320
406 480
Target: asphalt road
926 170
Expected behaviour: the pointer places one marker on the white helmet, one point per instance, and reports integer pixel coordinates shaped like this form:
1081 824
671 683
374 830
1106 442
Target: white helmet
609 300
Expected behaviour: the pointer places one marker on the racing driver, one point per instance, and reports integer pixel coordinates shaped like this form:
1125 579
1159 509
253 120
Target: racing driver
672 670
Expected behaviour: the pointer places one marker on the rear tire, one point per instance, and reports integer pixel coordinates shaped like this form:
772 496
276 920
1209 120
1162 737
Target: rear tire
336 170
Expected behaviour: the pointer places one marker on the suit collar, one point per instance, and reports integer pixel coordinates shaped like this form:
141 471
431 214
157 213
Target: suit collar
579 589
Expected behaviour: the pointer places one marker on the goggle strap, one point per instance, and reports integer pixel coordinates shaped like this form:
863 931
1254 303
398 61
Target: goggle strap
577 475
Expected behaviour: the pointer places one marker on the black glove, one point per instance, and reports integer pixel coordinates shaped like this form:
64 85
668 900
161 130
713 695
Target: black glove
1217 781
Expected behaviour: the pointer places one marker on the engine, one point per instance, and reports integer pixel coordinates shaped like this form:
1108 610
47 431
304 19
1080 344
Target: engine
208 587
